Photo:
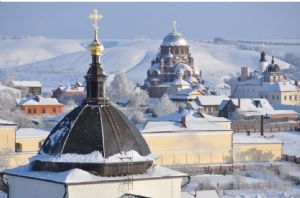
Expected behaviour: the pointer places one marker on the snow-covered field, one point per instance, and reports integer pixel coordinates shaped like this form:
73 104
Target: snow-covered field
58 61
255 183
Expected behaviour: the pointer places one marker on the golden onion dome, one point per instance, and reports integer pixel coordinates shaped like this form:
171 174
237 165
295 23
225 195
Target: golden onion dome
96 48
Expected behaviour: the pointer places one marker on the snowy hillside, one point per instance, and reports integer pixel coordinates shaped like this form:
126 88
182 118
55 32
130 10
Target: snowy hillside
15 51
66 61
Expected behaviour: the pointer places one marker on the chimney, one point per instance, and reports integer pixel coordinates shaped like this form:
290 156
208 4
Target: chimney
239 102
248 133
183 121
37 98
180 109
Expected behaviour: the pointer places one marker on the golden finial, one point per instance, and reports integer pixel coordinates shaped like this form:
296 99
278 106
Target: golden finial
96 47
174 26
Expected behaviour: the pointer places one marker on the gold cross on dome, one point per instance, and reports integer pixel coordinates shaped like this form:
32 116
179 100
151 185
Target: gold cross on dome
174 26
95 16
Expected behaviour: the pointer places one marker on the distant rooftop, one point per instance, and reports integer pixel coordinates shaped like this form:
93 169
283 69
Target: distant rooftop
193 123
211 100
32 133
37 100
24 83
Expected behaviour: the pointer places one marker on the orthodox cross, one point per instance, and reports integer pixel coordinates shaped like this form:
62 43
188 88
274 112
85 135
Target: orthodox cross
174 26
95 16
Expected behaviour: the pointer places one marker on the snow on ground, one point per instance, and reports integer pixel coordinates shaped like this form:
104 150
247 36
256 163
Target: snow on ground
67 63
291 142
254 183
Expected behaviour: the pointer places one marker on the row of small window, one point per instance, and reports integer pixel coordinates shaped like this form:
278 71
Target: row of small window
284 97
33 111
19 147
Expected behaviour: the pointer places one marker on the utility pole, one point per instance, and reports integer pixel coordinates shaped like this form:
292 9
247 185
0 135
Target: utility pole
262 125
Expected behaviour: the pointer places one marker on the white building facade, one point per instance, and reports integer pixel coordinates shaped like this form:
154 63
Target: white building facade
267 82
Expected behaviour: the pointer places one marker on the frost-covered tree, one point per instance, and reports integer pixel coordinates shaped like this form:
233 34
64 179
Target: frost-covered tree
120 88
165 106
72 100
138 98
7 78
7 101
137 117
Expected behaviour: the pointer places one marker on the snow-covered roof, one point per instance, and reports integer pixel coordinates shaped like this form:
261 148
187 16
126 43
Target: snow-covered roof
194 123
181 82
32 133
279 86
33 100
185 94
25 83
211 100
7 123
174 39
254 138
72 88
251 81
76 176
154 67
191 79
255 107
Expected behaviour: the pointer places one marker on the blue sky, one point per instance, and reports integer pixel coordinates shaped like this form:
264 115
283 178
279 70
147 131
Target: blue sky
153 20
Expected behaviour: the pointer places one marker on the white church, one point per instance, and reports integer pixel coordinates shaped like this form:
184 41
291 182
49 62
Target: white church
269 82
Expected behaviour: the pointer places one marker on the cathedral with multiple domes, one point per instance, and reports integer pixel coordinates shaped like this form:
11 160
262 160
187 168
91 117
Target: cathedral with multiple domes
173 68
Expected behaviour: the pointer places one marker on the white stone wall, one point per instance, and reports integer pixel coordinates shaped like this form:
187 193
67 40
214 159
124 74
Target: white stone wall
20 187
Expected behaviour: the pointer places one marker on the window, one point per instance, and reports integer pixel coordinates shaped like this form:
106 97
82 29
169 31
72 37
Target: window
266 96
273 97
54 110
261 96
290 97
295 97
43 110
29 111
284 97
277 97
34 111
18 147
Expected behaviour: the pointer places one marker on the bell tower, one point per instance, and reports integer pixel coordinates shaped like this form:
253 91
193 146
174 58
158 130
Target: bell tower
95 77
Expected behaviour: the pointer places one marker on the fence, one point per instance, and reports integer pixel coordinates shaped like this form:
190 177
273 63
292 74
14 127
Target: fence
269 125
291 158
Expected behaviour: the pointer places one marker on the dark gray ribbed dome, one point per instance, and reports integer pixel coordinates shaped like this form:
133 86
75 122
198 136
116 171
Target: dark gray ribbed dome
90 128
